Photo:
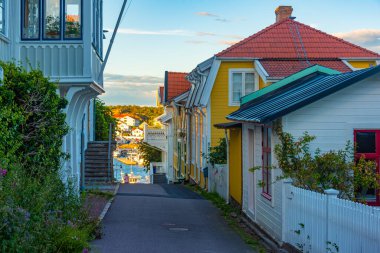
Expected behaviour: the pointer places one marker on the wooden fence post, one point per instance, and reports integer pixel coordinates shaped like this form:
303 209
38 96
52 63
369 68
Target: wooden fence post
331 195
286 196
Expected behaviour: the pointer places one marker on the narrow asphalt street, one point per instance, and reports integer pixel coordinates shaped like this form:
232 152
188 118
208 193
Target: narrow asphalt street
165 218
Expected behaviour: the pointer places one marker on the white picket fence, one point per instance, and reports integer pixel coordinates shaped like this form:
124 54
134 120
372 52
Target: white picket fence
218 180
319 222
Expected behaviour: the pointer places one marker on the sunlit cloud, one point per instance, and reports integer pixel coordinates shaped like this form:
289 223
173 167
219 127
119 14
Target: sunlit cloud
369 38
212 15
129 89
206 14
228 42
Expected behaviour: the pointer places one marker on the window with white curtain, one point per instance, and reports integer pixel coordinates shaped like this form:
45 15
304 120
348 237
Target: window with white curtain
241 82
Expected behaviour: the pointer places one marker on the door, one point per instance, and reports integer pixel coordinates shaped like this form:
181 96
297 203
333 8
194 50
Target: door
367 144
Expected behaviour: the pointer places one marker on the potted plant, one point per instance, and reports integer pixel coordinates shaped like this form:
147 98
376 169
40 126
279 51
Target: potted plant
52 27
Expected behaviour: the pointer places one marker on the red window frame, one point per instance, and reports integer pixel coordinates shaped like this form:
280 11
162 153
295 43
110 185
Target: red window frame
266 161
371 156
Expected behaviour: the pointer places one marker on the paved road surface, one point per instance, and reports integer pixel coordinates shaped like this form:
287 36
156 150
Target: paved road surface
168 219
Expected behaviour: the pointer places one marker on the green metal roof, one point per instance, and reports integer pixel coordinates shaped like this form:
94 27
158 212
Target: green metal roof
287 80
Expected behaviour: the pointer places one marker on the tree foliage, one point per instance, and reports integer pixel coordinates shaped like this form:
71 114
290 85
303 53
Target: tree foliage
104 118
320 171
149 154
38 212
32 122
217 154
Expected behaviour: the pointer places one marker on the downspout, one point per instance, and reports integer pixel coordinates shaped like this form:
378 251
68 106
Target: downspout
228 166
112 39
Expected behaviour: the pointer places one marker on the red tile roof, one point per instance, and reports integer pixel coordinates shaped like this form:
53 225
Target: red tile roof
281 41
176 84
284 68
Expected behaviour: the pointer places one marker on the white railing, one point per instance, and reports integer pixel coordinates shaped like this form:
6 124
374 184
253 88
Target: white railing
155 134
323 223
156 137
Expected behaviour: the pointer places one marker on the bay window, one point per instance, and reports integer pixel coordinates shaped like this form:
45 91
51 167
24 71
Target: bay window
2 16
242 82
47 15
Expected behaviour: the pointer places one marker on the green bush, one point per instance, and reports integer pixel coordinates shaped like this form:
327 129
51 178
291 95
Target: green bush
103 120
38 212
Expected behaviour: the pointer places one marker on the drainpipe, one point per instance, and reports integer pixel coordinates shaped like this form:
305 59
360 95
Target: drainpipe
228 166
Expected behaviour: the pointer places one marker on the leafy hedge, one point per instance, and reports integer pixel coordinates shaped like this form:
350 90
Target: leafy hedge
38 212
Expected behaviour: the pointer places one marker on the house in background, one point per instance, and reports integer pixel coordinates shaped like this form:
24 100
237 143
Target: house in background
171 138
137 132
128 119
334 107
259 61
65 40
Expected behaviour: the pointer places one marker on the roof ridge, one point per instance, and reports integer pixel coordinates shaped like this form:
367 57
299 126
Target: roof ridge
288 20
336 38
252 36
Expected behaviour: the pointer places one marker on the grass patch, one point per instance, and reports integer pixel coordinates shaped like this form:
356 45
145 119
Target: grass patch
106 194
228 212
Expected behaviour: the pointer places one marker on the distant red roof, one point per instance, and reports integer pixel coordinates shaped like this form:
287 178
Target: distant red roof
176 84
281 41
161 94
284 68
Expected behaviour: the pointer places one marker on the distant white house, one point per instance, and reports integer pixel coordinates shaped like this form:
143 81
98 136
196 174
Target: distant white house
129 120
138 132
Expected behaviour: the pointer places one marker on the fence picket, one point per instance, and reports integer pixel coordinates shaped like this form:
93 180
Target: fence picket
354 227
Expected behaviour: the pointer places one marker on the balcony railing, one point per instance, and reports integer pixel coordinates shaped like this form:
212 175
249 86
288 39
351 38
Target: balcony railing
156 137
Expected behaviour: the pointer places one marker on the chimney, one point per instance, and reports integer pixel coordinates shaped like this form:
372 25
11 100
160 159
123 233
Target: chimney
283 12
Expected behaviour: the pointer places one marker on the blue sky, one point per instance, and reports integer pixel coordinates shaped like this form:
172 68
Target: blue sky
176 35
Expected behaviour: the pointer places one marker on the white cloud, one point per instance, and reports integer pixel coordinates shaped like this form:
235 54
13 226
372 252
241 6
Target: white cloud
206 14
228 42
368 38
175 32
128 89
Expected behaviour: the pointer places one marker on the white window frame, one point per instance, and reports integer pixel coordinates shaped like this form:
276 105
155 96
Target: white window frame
230 88
5 17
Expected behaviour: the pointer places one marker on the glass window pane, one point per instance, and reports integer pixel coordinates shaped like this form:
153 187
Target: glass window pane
73 25
2 17
52 16
237 81
249 83
31 19
365 142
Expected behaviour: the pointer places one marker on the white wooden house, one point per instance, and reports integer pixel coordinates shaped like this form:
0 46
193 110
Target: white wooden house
63 38
333 107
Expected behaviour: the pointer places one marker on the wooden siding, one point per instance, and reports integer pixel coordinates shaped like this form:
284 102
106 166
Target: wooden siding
235 163
333 119
219 98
